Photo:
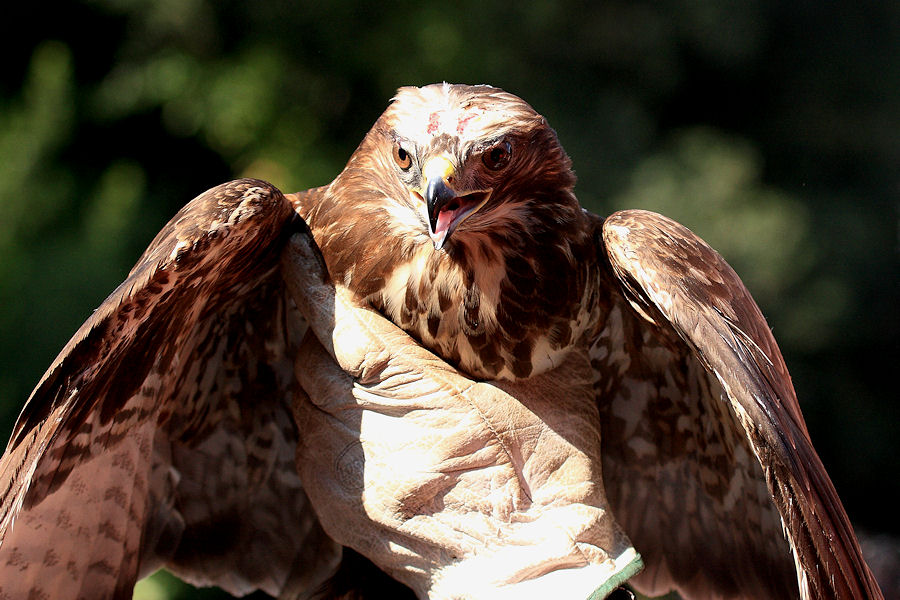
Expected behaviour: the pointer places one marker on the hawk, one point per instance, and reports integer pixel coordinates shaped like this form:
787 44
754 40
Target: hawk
168 413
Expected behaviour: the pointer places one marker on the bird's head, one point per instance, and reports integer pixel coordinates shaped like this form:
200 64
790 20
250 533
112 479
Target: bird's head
468 159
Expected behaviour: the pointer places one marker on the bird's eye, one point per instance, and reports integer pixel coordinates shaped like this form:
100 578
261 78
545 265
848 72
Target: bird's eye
496 157
402 157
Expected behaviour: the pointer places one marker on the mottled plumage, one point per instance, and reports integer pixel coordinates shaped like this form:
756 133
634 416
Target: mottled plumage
167 413
515 287
161 434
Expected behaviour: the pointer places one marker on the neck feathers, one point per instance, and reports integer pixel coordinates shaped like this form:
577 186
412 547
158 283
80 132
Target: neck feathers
504 301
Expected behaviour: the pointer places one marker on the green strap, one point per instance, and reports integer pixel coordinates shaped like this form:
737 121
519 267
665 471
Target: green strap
617 579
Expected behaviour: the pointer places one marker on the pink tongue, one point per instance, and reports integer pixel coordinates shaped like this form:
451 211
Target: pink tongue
445 218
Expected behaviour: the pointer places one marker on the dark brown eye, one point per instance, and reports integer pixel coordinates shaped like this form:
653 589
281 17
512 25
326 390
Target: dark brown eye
496 157
402 157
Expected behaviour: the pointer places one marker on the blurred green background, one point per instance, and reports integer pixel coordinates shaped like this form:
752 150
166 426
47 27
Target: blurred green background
770 128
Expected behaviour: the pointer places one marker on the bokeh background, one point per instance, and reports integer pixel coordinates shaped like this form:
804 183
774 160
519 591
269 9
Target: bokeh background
770 128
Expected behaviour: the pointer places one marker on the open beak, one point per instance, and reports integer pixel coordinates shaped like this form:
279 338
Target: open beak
447 207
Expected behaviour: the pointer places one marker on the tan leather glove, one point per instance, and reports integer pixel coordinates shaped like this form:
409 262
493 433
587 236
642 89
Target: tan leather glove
459 489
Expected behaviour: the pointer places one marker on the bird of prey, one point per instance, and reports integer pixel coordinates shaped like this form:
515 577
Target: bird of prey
161 435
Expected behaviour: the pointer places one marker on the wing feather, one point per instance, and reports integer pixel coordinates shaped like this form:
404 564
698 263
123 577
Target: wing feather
161 435
689 308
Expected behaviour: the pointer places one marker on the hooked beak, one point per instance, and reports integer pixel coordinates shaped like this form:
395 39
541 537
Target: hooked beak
447 207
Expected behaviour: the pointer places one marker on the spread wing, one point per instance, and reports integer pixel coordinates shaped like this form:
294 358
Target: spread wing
161 435
707 460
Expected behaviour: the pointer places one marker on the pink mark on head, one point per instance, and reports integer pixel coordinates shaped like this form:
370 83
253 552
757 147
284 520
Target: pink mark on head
464 121
434 121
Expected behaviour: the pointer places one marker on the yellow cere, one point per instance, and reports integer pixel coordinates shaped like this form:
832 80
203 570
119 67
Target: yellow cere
438 166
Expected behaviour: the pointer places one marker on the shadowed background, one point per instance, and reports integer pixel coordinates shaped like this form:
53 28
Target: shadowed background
769 128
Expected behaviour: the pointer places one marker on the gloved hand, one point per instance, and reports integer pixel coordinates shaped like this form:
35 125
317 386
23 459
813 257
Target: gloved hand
457 488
